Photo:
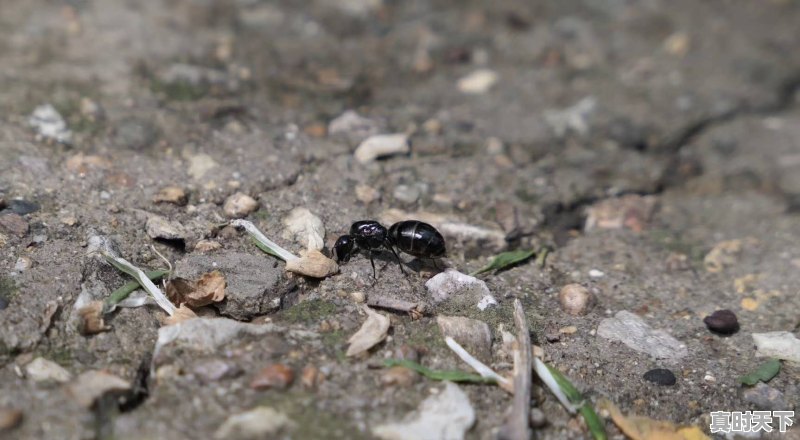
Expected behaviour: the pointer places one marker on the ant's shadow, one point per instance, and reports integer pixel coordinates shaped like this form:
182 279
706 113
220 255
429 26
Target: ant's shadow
415 264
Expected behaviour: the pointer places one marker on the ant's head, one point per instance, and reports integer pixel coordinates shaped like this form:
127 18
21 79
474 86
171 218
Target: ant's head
344 248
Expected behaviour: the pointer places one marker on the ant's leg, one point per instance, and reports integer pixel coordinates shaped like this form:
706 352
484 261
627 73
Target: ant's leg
371 260
435 265
399 261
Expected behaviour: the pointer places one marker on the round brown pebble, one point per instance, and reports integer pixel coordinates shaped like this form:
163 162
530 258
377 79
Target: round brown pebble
310 377
723 322
239 205
277 376
575 299
398 376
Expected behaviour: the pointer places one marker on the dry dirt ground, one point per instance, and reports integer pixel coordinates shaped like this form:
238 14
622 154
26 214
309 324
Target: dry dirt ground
688 108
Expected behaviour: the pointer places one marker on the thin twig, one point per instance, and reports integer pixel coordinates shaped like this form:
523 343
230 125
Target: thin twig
479 366
518 425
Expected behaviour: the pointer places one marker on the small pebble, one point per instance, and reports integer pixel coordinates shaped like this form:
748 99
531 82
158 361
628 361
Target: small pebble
49 124
367 194
9 418
159 227
398 376
310 377
23 264
382 145
568 330
3 303
239 205
358 296
278 376
575 299
538 419
22 207
723 322
207 246
13 223
43 370
171 194
407 193
477 82
660 376
212 370
594 273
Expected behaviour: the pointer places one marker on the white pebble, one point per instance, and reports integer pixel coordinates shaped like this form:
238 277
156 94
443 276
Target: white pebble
477 82
382 145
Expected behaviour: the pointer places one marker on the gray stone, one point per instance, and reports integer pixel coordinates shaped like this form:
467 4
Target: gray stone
472 334
456 290
135 133
254 285
632 331
766 398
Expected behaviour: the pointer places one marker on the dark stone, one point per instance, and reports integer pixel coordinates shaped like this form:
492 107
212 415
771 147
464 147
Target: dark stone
22 207
3 302
723 322
660 376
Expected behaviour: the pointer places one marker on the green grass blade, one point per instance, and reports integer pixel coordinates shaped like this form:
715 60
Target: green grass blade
451 375
593 422
127 288
504 260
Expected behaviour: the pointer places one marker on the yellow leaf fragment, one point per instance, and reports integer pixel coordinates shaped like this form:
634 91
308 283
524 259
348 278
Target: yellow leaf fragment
645 428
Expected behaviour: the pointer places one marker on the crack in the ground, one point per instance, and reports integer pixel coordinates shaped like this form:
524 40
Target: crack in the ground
561 218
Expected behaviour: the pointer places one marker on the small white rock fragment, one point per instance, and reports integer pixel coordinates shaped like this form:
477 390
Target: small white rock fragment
781 345
444 416
454 283
159 227
575 118
239 205
354 126
594 273
49 124
43 370
486 302
632 331
305 228
23 264
259 422
91 385
477 82
372 332
382 145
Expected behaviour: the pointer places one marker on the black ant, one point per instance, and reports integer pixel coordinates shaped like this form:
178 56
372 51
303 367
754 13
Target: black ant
411 236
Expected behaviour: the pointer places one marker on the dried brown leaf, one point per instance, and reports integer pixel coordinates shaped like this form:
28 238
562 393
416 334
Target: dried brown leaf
210 288
91 319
